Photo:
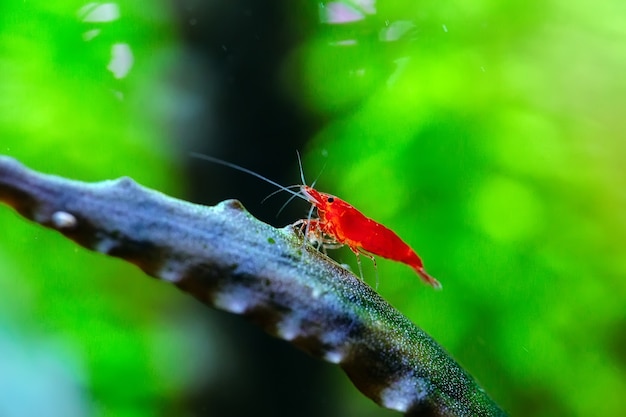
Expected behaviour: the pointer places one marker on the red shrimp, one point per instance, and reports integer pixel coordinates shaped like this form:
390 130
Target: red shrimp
339 223
348 226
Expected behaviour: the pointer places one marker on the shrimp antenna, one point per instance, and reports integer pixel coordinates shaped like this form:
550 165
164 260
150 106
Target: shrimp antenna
301 170
247 171
319 175
273 193
286 202
285 205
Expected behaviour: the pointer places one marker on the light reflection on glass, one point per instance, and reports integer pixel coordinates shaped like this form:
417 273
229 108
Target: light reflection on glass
121 60
90 34
358 17
396 30
346 12
347 42
339 13
98 15
401 64
99 12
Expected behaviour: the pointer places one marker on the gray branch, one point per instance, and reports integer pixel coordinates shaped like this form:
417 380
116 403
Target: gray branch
231 261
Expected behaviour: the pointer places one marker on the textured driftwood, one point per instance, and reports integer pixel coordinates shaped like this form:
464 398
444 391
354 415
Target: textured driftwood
231 261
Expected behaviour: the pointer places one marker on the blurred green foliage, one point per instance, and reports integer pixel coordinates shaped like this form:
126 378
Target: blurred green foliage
73 339
488 135
496 152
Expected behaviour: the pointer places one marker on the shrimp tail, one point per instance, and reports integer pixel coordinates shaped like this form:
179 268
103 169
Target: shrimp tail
427 278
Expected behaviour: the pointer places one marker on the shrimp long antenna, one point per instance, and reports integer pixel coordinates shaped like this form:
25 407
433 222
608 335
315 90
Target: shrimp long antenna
247 171
318 175
301 170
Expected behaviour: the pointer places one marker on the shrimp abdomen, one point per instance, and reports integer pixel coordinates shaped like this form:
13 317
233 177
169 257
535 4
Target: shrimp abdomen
379 240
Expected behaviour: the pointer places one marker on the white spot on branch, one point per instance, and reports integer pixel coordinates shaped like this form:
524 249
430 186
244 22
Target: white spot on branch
289 328
171 272
63 220
232 300
334 357
404 393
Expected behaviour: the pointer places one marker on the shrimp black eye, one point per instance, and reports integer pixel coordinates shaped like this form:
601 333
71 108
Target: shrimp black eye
330 199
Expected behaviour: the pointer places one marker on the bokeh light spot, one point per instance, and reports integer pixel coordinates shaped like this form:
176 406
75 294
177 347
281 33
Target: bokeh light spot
507 210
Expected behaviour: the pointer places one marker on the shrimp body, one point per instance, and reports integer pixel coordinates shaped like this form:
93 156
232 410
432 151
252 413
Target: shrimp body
348 226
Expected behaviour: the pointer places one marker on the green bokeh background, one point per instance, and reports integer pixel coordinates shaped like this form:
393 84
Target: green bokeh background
490 136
